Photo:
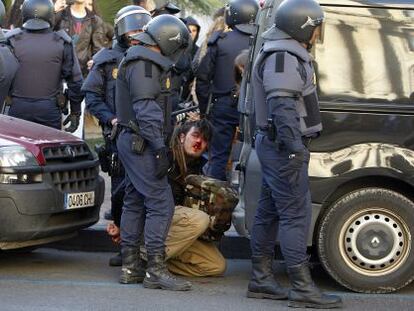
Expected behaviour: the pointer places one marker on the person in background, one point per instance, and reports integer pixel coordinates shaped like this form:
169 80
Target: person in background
215 86
14 16
239 65
217 25
8 63
48 54
108 28
84 27
194 28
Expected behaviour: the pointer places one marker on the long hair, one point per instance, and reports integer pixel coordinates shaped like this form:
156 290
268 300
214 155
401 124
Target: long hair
177 147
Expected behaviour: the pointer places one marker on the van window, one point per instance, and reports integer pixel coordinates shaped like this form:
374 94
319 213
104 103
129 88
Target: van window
366 55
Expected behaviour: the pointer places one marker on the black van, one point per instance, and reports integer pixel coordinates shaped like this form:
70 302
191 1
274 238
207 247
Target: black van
362 166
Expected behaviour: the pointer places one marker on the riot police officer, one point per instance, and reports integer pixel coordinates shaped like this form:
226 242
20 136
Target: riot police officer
215 85
142 111
99 88
45 57
8 62
288 117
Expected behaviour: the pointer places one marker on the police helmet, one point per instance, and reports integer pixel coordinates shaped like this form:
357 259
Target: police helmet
296 19
164 7
37 14
2 12
241 14
168 32
130 18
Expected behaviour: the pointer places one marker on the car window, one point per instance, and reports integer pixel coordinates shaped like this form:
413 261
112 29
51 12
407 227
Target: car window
366 55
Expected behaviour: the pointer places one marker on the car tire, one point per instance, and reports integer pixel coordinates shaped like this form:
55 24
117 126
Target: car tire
365 240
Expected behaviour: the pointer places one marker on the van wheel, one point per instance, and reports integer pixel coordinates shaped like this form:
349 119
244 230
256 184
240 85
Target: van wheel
365 241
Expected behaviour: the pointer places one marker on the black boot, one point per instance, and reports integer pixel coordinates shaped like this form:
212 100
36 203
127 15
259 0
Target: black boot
305 294
116 261
158 276
132 269
262 283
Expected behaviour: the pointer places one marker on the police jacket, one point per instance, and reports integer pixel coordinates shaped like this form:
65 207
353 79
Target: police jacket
91 39
99 86
215 72
8 68
45 57
142 93
284 91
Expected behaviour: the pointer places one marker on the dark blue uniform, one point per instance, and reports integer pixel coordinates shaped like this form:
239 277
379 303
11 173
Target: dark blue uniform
99 88
148 201
286 101
46 58
8 69
215 75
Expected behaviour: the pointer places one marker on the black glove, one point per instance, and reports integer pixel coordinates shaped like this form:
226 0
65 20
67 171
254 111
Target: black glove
162 163
73 118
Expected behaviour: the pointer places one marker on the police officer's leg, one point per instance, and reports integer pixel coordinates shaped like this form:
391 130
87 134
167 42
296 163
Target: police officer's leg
132 225
264 233
290 191
202 258
224 119
133 218
159 208
186 226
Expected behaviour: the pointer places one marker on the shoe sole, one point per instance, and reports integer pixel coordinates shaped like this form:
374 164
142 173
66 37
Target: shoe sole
298 304
131 280
155 285
265 296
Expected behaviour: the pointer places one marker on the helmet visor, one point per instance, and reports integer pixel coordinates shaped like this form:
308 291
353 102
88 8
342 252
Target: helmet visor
132 21
144 38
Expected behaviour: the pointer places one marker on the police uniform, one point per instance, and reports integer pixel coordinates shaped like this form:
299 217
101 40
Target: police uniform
99 88
8 69
287 117
148 200
215 75
46 57
285 93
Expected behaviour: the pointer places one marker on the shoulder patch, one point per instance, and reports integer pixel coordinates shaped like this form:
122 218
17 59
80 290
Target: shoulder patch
215 37
13 33
280 62
63 35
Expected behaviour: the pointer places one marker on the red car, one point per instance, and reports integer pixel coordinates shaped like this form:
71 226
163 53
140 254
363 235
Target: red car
49 184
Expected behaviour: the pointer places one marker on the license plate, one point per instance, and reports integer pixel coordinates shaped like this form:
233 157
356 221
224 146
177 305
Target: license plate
79 200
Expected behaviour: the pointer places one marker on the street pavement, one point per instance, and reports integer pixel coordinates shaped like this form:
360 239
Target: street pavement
49 279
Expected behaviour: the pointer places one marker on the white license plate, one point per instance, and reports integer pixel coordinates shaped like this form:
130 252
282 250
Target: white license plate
79 200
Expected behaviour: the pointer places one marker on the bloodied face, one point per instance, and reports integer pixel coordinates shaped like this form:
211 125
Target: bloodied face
194 142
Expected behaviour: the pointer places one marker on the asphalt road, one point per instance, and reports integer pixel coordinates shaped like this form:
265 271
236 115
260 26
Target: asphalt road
48 279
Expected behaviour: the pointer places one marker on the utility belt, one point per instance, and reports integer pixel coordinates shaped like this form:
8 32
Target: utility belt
138 143
270 131
233 94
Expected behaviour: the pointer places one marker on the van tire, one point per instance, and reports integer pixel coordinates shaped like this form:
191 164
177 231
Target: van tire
365 240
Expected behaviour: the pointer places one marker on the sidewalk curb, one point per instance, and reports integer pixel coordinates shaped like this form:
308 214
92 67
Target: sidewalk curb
95 239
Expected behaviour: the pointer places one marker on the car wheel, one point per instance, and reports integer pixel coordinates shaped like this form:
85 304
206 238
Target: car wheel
365 240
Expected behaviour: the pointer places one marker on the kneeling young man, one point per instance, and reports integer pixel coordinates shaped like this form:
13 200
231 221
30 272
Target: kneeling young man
185 253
